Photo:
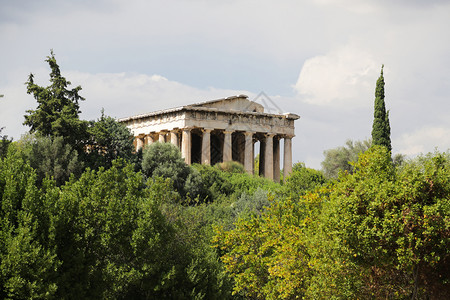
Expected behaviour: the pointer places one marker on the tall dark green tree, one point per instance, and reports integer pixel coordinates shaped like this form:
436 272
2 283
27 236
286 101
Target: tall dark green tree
381 129
58 108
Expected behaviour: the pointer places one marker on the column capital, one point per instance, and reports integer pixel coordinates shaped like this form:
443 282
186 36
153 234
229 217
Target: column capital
207 129
246 133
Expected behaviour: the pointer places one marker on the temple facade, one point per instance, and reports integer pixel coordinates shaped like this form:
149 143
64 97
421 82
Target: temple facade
219 131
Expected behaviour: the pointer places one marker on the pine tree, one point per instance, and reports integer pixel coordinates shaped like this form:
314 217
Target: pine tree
381 129
58 109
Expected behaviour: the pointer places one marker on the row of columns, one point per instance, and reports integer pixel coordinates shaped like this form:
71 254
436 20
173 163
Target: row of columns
269 152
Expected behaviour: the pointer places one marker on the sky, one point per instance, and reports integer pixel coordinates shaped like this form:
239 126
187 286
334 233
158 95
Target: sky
319 59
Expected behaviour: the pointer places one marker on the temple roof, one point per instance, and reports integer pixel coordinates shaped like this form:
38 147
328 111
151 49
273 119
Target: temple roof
237 103
232 104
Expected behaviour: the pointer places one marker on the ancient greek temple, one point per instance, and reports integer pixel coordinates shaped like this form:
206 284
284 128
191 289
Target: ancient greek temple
220 131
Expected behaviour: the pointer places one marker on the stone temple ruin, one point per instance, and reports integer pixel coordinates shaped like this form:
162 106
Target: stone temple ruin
219 131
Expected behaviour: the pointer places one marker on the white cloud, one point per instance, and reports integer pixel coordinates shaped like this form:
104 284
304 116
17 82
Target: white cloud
124 94
356 6
344 76
424 140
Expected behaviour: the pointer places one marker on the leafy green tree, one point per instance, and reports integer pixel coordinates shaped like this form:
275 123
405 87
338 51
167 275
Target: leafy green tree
387 230
381 129
267 255
52 157
123 239
214 181
109 140
164 160
340 158
302 179
93 226
380 232
398 159
27 266
250 204
245 183
232 195
194 187
107 235
193 229
57 113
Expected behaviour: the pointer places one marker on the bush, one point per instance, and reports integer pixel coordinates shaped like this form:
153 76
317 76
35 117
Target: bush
231 167
164 160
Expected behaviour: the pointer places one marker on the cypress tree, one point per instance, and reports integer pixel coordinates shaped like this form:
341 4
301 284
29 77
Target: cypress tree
381 129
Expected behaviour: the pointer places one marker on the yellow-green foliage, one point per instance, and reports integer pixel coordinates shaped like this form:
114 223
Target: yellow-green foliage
268 256
381 232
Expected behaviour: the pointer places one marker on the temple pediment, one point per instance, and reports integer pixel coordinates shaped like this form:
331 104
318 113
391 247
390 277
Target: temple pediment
233 103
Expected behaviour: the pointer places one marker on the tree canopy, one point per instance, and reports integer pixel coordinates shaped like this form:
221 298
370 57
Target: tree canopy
108 141
380 232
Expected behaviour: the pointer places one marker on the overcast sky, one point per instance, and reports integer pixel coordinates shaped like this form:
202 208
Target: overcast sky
319 59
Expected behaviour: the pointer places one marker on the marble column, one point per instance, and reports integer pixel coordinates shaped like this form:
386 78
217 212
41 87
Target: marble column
287 163
162 137
276 159
186 145
174 138
248 152
268 157
139 142
206 147
227 146
150 139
